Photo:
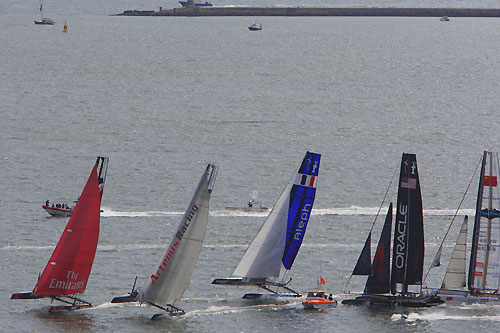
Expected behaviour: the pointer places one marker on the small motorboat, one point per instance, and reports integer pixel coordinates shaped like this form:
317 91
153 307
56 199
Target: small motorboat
251 205
196 4
255 27
58 209
319 300
253 208
444 18
45 20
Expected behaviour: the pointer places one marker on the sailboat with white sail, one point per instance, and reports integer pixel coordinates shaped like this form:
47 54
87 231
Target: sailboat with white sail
407 254
67 272
171 276
44 20
270 256
483 282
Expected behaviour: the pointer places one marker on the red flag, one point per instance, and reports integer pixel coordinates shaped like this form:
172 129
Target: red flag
490 181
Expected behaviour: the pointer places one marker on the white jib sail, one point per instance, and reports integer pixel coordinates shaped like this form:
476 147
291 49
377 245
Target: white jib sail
263 256
455 274
169 280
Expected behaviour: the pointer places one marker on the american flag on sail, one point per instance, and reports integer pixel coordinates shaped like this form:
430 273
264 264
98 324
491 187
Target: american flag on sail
410 183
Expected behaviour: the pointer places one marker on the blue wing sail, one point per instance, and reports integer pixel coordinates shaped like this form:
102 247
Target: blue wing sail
302 196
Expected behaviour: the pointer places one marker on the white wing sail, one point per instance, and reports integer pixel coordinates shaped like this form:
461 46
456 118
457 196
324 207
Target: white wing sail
455 274
279 239
169 280
484 269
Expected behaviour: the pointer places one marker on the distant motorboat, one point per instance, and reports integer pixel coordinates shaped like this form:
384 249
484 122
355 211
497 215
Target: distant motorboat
318 299
260 208
251 205
59 210
45 20
444 18
197 4
255 27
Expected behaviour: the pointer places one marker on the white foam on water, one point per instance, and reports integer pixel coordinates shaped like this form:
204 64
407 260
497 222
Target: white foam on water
443 315
343 211
227 309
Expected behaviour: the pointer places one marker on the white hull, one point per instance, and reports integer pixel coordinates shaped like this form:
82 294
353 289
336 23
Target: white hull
59 212
466 297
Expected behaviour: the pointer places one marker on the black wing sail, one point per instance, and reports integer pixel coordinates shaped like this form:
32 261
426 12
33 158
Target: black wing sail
364 264
477 220
408 249
380 282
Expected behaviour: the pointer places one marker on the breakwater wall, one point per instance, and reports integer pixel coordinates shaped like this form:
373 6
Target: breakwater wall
300 11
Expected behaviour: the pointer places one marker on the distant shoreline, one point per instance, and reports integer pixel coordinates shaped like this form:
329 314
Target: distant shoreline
318 11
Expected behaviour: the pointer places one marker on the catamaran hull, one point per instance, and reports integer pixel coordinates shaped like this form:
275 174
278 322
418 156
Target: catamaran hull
124 299
467 297
25 295
264 284
77 302
264 297
62 308
395 301
58 212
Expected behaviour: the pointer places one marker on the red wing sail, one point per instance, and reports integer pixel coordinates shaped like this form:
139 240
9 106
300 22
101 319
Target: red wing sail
69 266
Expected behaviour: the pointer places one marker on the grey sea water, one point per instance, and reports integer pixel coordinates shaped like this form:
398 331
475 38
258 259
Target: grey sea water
162 97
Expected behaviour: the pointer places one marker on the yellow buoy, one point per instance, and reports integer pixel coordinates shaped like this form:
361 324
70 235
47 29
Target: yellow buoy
65 29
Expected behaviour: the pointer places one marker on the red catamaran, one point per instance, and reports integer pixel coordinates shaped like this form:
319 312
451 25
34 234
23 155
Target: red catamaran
68 269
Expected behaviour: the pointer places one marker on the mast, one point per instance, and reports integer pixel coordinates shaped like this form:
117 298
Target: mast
408 248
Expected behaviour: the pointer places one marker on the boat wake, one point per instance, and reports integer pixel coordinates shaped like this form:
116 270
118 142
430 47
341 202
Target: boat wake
347 211
227 309
442 315
108 212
